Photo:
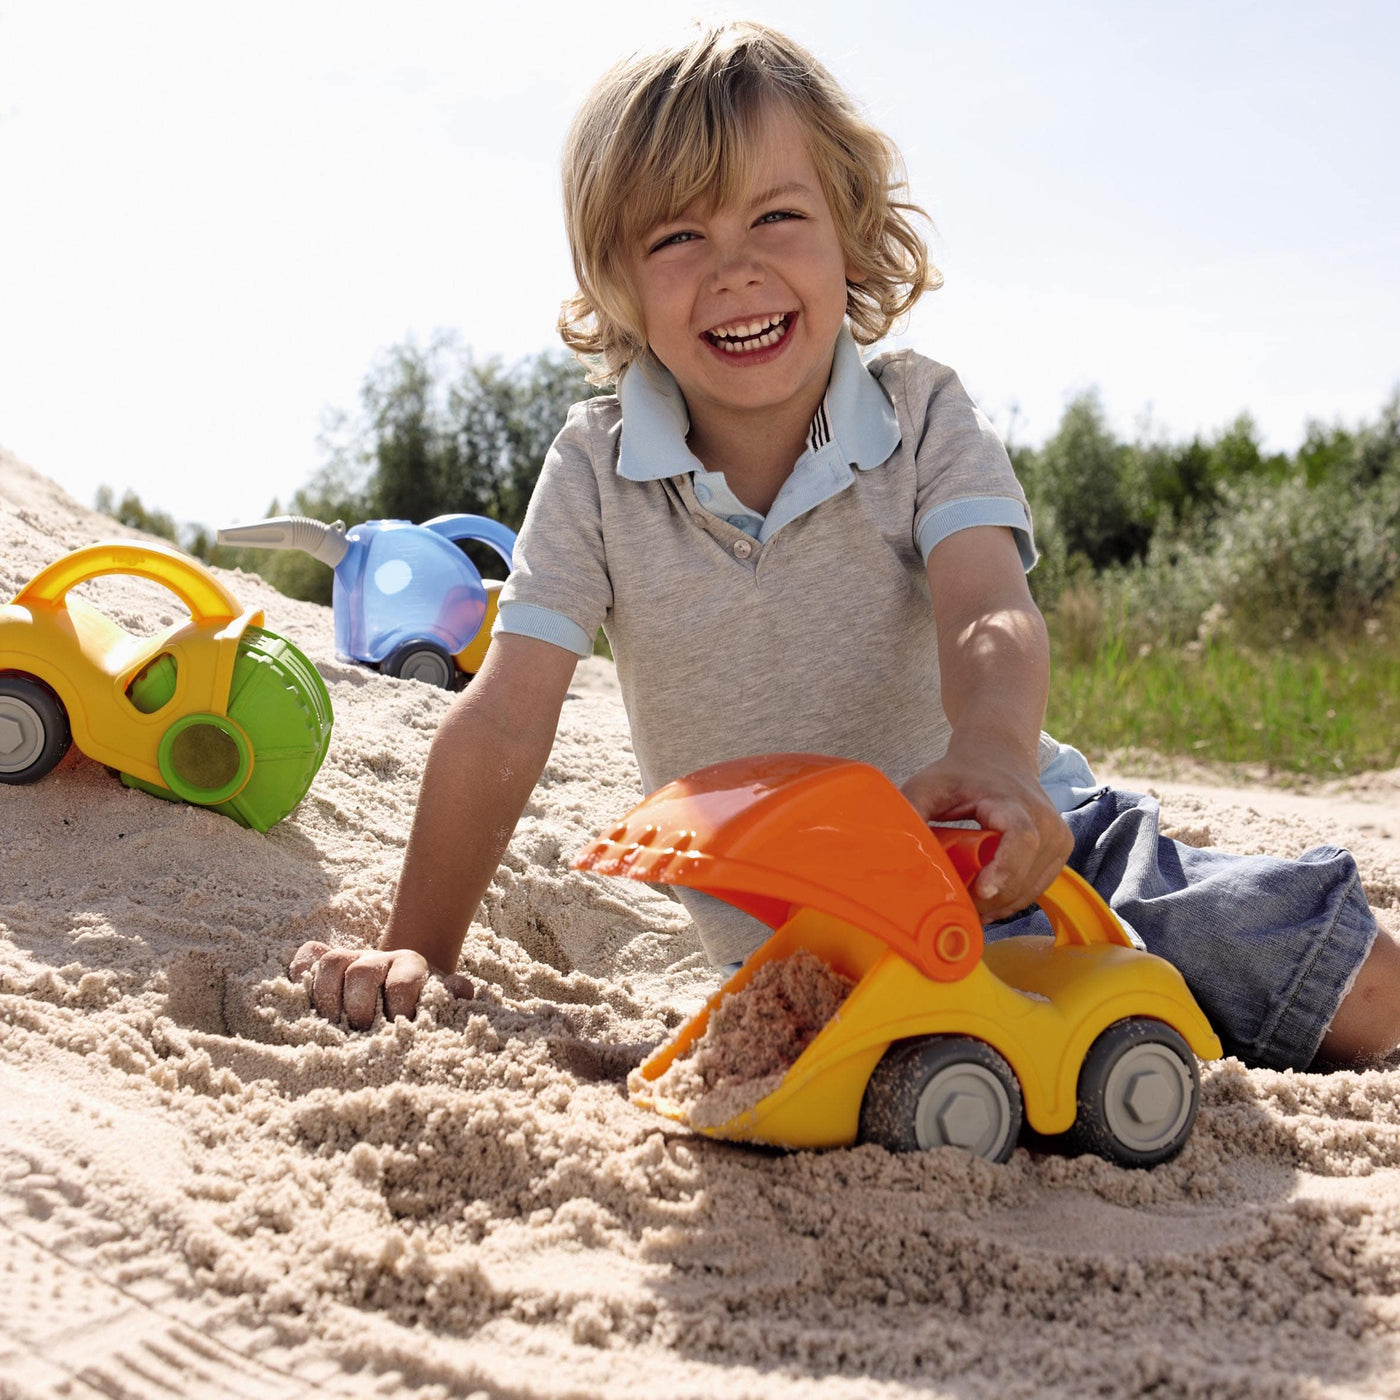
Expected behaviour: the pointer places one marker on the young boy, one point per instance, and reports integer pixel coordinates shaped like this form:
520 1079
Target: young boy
767 528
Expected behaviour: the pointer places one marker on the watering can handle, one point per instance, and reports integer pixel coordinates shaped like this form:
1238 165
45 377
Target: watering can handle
1076 911
475 527
206 598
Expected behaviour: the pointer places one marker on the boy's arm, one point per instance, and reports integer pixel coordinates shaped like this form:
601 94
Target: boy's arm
484 762
995 662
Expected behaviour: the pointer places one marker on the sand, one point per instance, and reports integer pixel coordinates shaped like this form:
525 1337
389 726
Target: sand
751 1040
208 1191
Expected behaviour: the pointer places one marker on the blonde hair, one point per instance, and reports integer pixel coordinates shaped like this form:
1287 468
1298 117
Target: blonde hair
662 130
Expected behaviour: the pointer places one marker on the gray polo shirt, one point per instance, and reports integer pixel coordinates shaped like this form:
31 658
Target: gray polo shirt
808 630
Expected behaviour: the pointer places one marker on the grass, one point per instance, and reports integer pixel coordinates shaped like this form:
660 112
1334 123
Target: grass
1324 709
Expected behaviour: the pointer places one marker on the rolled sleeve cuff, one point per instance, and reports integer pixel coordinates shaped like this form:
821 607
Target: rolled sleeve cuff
1068 780
544 625
948 519
1327 972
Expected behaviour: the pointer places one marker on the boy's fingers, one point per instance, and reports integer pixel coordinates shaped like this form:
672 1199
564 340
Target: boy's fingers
1017 846
403 982
360 994
328 981
1007 871
1027 859
305 957
463 988
350 981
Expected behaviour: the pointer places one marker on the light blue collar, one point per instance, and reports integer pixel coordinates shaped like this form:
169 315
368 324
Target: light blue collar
864 428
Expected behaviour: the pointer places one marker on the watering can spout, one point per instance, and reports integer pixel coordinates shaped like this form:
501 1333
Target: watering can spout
324 542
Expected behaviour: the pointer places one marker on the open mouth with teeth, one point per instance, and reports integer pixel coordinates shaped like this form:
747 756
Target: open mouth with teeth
744 337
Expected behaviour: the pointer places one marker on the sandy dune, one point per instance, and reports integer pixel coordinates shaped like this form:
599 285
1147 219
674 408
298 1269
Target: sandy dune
206 1191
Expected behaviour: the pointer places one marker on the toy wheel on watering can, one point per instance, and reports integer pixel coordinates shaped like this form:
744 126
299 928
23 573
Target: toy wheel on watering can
422 661
34 732
943 1091
1139 1090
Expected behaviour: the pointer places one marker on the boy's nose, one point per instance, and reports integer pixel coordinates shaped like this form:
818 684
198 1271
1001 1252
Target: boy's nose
735 269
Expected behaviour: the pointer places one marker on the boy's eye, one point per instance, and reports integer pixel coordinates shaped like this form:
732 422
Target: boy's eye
672 240
777 216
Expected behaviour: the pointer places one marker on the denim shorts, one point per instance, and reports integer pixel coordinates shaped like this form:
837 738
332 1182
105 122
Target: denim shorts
1268 947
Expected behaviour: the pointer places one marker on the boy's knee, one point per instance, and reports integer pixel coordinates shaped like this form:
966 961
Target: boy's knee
1367 1024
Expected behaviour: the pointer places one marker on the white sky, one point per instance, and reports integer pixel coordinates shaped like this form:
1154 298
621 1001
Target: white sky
213 217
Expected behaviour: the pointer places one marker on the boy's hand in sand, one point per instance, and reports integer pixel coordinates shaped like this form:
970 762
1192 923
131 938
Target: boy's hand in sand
353 980
486 757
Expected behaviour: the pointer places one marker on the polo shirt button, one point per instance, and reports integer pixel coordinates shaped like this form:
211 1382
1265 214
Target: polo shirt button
702 493
743 548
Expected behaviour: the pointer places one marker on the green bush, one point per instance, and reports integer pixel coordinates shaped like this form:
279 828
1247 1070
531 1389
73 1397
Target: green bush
1277 563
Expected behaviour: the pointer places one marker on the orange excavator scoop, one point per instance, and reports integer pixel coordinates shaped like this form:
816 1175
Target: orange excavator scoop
785 831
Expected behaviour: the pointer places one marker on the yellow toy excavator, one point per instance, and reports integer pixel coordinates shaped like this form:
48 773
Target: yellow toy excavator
942 1041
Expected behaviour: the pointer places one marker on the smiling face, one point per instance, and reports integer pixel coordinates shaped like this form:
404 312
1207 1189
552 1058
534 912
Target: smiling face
743 302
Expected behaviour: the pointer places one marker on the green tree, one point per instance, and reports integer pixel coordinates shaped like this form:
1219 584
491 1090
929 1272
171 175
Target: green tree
1180 481
410 442
436 432
1340 458
1085 479
1327 454
546 387
1187 484
441 431
1236 456
1378 445
485 405
130 512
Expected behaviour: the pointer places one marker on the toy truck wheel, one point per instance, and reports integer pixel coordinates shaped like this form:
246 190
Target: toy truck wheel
34 731
421 661
1139 1090
943 1091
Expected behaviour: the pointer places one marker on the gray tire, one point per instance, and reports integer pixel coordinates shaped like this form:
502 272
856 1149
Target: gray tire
943 1091
421 661
34 731
1139 1090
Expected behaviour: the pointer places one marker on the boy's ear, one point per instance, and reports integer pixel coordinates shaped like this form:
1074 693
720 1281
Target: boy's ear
854 272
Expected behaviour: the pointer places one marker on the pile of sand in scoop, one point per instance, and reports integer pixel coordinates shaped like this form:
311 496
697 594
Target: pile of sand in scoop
752 1038
208 1191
